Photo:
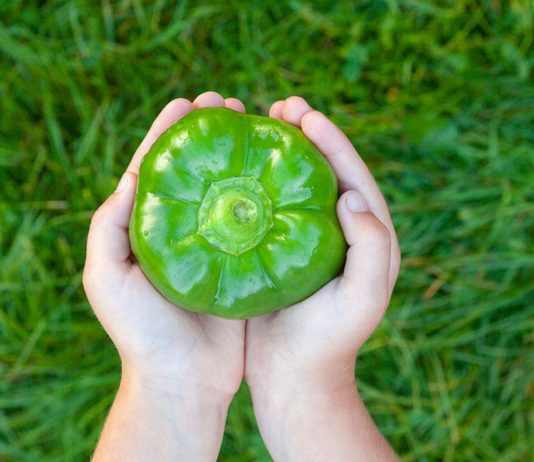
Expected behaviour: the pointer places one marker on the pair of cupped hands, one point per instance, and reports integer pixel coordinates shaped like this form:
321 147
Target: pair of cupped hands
310 347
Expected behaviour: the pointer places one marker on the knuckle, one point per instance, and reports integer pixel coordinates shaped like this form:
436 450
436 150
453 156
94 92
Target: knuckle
295 99
175 103
235 101
395 260
309 116
397 254
212 94
373 228
99 216
87 278
95 280
179 101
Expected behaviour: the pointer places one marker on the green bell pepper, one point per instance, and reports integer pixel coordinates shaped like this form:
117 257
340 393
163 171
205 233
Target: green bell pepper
235 215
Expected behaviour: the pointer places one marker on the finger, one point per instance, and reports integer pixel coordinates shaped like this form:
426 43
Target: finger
294 109
209 99
350 169
352 173
108 245
365 279
169 115
276 110
234 104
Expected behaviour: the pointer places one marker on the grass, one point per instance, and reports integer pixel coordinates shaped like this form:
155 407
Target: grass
437 96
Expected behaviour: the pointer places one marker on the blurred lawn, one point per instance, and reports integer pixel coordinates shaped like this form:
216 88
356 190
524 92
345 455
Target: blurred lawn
437 96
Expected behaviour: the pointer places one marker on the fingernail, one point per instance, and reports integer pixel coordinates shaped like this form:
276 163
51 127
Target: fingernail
356 202
122 184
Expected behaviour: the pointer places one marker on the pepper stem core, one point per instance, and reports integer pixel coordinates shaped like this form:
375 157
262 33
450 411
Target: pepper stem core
235 214
244 210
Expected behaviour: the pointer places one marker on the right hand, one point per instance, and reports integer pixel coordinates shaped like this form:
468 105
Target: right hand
309 349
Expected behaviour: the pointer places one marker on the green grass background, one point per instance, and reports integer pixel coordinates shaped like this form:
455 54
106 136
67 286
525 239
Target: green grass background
437 96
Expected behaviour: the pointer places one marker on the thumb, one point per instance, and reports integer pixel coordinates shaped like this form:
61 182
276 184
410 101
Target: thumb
364 282
108 245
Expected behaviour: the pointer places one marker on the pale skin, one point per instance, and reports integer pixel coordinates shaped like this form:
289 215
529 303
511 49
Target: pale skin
180 370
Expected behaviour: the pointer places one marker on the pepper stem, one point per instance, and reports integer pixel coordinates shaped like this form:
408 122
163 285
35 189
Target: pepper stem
244 210
235 214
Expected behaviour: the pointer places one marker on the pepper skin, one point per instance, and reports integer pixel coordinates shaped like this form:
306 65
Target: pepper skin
235 215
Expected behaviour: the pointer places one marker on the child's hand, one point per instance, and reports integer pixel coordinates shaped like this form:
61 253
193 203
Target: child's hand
183 367
300 360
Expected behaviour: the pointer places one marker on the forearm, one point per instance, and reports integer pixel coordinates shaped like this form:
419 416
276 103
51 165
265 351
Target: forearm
152 422
300 424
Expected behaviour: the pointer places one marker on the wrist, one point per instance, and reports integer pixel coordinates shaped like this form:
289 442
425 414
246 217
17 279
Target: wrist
272 397
189 396
318 420
152 421
313 390
281 378
295 419
182 378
